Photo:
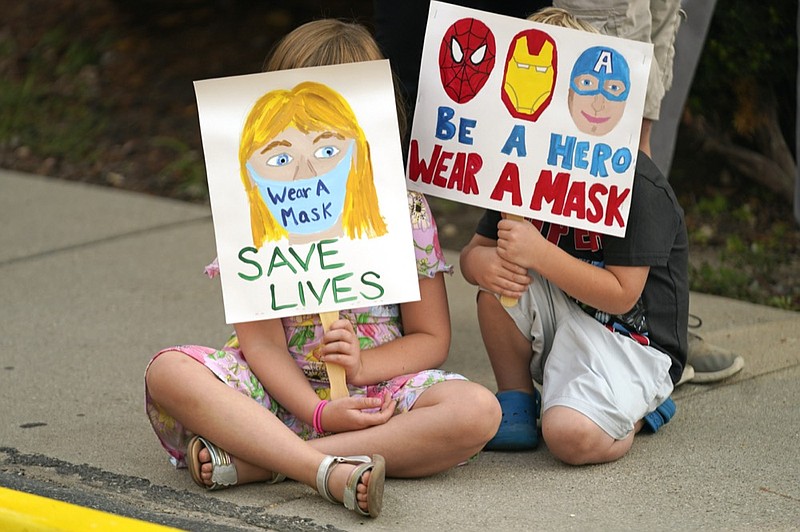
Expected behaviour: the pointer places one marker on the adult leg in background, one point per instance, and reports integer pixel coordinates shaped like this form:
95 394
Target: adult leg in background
709 363
706 362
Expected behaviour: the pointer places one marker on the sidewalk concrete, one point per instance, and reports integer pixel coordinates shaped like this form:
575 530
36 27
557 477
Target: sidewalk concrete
94 280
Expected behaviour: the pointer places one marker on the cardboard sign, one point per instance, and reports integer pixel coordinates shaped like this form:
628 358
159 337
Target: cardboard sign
528 119
307 190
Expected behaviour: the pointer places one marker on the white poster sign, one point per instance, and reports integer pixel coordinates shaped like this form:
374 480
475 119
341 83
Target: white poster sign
307 190
529 119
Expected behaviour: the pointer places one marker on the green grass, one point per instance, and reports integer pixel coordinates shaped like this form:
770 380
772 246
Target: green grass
51 106
756 267
186 168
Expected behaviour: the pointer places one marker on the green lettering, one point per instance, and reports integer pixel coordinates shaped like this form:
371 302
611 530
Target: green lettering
273 263
341 289
364 280
323 254
301 262
319 297
276 307
242 258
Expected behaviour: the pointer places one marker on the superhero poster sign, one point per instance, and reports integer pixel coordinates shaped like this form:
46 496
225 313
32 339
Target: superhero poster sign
529 119
307 190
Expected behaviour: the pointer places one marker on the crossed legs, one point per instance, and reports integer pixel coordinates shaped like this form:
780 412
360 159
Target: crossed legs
451 420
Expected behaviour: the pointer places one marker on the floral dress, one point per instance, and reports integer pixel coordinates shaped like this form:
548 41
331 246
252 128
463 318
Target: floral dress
373 325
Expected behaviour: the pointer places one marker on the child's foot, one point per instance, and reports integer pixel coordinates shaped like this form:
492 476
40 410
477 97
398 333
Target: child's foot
359 480
245 472
518 429
338 480
213 468
660 416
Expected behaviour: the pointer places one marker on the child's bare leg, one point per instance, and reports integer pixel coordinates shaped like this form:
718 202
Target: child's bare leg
509 351
258 441
449 423
577 440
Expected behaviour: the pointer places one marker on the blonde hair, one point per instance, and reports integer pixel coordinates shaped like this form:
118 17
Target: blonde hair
556 16
330 42
311 106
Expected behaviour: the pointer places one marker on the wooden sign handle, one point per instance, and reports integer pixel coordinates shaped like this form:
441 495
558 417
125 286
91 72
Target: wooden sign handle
508 301
336 373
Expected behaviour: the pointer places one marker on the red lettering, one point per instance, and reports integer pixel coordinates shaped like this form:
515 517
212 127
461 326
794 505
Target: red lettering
612 207
587 240
576 200
508 182
441 168
417 167
462 173
555 232
474 164
550 190
457 175
462 177
596 215
569 199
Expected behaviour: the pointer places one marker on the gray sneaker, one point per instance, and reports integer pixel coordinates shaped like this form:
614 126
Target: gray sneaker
686 376
711 363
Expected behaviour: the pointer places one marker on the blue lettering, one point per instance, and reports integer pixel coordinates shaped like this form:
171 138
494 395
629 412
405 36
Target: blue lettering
274 198
295 193
621 160
516 141
286 214
567 151
581 150
600 154
445 130
557 149
464 130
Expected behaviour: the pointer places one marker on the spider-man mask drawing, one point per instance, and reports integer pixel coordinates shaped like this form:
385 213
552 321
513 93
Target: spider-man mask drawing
466 58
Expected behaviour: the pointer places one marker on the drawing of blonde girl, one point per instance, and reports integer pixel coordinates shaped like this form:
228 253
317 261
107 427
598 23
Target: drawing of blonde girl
305 164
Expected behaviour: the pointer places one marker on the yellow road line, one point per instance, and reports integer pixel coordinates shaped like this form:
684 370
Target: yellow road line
31 513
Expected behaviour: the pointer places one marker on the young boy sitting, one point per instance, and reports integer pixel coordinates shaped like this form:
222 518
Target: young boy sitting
600 323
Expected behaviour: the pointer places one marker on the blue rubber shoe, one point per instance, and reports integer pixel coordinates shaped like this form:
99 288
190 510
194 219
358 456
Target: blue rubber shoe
518 430
660 416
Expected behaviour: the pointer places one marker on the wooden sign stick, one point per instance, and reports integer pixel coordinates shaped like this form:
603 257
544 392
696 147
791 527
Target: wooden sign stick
508 301
336 373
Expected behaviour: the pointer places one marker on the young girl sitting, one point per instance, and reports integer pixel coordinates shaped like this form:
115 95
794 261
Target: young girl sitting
249 413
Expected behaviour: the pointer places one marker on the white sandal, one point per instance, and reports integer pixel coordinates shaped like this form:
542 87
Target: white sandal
223 471
377 466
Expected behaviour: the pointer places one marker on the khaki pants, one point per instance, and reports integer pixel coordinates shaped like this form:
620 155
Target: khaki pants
653 21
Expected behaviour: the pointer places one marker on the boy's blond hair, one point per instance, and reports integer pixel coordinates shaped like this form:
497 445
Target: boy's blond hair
556 16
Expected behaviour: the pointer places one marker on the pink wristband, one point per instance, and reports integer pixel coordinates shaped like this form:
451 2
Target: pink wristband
316 420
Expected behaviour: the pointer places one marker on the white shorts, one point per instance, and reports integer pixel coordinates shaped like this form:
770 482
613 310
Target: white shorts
608 377
653 21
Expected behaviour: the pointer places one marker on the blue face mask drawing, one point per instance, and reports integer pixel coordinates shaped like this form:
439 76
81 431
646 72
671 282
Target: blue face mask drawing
306 206
601 70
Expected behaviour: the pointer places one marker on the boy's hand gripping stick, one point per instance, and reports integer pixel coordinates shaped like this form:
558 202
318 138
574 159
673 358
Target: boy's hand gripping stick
508 301
336 373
